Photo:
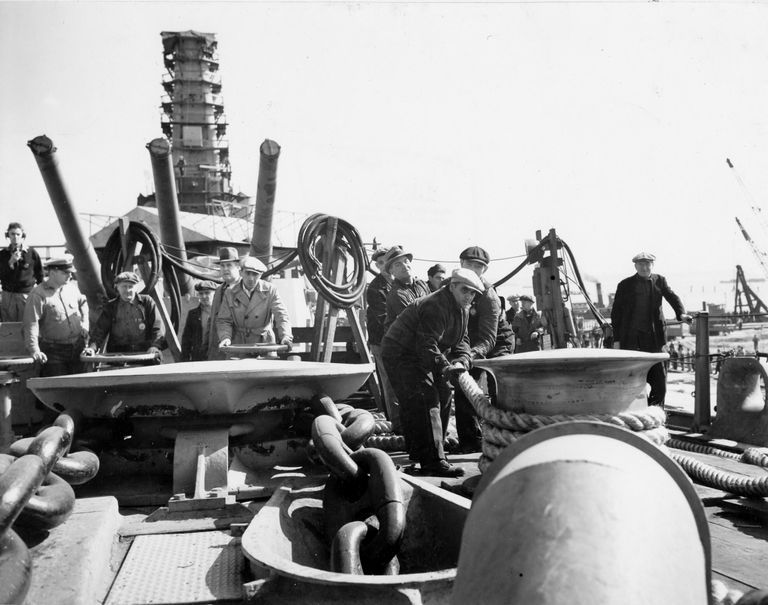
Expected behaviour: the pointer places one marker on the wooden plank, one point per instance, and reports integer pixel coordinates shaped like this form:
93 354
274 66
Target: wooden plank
737 555
164 522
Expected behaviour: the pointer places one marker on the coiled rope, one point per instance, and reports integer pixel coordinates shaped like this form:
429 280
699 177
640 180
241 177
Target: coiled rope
345 288
503 427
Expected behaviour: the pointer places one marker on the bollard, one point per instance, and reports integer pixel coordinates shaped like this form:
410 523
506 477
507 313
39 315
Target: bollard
584 512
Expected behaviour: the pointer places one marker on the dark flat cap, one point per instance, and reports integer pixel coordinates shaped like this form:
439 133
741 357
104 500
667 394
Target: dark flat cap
475 253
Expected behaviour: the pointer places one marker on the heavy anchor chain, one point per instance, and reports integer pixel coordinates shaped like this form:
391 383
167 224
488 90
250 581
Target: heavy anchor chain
31 494
363 501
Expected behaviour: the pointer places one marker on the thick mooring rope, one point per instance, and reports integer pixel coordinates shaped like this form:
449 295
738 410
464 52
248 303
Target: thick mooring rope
502 427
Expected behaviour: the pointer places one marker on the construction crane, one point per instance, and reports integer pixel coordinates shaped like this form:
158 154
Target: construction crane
754 304
759 254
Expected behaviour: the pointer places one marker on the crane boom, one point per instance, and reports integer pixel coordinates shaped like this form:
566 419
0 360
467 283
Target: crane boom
759 254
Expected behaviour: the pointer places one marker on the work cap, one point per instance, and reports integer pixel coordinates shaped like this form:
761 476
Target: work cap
127 276
435 269
393 254
513 298
475 253
251 263
379 252
228 255
643 256
526 297
469 278
63 263
205 285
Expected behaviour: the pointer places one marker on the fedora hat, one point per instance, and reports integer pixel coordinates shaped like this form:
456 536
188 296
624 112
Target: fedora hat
228 254
394 253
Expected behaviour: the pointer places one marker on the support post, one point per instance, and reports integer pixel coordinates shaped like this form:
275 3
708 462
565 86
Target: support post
702 416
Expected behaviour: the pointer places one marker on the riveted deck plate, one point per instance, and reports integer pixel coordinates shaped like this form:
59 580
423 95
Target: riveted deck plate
201 567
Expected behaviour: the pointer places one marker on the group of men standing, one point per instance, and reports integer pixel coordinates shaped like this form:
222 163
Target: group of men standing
422 335
57 328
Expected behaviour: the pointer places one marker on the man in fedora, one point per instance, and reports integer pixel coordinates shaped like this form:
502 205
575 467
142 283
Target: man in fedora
249 308
375 317
229 261
193 339
637 321
489 336
425 344
406 287
56 321
129 323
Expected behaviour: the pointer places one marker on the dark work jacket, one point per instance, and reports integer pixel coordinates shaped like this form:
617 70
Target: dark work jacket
489 333
154 331
401 295
624 306
431 331
194 344
376 311
24 275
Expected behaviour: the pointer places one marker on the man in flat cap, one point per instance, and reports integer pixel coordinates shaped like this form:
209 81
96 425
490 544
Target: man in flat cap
489 336
435 276
375 317
129 323
250 307
514 306
406 287
193 345
56 321
527 327
427 343
637 321
229 261
20 270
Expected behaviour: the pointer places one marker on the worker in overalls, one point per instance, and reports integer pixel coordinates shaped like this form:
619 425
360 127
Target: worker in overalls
129 323
249 308
56 321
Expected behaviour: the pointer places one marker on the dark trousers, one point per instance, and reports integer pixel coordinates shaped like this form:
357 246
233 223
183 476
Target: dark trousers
423 412
63 359
657 375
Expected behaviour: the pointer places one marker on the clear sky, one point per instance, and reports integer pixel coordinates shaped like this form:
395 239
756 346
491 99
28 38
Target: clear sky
433 125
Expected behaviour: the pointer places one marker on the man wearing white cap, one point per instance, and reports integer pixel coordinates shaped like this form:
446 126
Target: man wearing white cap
229 261
426 343
249 308
56 321
129 323
637 320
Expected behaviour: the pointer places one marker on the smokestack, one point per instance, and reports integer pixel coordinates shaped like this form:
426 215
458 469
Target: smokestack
85 260
599 287
261 243
167 205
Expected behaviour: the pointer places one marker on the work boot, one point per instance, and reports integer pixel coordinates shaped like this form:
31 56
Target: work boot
442 468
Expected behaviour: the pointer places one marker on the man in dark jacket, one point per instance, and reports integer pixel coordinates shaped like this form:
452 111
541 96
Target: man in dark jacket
375 318
527 327
20 271
194 346
229 261
426 343
489 336
130 321
637 320
406 287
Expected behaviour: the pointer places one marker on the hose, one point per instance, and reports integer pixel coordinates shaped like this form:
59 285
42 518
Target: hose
345 288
